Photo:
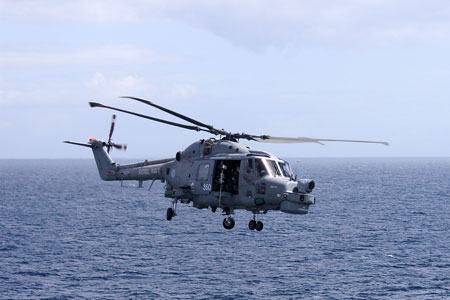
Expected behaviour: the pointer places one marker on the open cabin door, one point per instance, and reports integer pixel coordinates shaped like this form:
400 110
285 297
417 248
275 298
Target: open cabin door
202 176
229 170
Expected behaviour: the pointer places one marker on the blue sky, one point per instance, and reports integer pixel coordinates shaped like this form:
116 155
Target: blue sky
375 70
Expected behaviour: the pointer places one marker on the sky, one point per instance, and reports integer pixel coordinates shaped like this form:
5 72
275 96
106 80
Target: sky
352 69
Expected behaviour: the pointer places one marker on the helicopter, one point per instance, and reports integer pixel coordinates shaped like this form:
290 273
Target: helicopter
215 172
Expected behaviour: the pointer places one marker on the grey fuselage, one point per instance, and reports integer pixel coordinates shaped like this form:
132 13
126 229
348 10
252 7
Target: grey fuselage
218 173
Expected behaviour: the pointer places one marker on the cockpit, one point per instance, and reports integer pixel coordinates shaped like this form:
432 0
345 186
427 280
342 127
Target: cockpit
285 169
269 167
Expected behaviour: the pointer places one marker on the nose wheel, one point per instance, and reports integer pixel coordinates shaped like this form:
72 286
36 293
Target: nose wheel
254 224
259 226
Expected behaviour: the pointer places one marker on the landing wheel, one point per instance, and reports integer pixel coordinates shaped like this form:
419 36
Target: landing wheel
228 223
169 213
252 225
259 225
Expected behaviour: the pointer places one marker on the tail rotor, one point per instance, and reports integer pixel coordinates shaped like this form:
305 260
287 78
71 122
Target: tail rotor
110 144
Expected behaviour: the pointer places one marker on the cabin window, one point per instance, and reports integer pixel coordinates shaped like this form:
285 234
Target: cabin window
203 172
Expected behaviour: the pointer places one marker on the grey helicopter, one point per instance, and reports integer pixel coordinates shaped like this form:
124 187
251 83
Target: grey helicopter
215 172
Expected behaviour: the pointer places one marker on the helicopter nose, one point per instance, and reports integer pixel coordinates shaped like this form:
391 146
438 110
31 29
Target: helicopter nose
297 203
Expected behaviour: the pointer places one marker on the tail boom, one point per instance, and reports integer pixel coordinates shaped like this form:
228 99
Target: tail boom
110 170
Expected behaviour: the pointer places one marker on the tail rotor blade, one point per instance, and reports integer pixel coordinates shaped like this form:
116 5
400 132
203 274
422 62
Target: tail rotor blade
120 147
113 123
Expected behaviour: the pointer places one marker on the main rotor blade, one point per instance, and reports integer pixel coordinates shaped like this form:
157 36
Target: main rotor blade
196 128
289 140
174 113
78 144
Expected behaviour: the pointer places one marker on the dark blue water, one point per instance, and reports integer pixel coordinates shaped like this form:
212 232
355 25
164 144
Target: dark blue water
379 230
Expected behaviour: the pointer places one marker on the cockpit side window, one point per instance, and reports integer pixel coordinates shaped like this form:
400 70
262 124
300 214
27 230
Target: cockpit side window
285 169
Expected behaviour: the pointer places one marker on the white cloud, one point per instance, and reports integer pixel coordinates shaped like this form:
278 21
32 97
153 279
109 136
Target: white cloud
52 92
103 55
259 23
5 125
183 91
102 86
98 79
77 10
130 82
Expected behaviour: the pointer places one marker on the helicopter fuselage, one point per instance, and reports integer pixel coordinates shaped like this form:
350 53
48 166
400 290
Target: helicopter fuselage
222 174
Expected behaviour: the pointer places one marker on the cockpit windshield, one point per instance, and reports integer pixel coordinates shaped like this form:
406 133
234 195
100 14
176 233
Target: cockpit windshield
286 169
261 169
273 168
267 167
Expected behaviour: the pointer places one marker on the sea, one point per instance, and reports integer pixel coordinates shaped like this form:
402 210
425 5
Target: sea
380 229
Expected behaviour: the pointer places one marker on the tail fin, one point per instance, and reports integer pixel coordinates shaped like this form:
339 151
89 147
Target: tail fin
105 165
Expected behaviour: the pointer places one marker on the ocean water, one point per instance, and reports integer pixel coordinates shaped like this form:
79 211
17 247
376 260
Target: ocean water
379 230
